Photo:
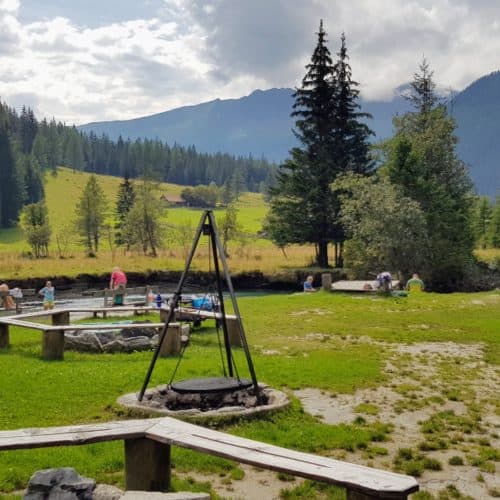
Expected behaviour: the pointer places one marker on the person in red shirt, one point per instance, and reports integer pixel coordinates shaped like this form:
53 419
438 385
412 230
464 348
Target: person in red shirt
117 278
118 281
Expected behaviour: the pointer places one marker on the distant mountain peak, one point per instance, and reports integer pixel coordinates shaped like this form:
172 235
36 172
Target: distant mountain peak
260 124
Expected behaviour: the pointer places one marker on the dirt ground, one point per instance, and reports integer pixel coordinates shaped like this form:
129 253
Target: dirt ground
445 388
442 400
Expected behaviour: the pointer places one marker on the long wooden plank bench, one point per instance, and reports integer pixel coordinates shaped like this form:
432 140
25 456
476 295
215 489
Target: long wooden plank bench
53 334
359 285
147 455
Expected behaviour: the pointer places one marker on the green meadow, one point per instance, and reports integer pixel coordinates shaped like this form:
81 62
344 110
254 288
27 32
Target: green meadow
248 253
337 343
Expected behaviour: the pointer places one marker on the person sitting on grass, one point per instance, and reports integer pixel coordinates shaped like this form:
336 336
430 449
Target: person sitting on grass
308 287
48 293
7 301
383 282
415 284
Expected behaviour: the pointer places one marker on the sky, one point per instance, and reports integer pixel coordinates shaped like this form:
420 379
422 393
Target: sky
91 60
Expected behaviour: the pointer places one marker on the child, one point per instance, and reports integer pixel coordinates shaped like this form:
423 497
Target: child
47 292
308 284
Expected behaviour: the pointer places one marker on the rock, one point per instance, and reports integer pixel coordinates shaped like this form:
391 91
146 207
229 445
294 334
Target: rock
82 342
108 336
138 332
59 484
117 345
137 344
107 492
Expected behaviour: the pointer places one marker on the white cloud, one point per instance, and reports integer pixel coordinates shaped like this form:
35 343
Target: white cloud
195 50
9 5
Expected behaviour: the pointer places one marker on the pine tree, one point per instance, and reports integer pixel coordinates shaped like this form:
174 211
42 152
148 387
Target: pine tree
423 161
125 201
28 129
11 187
143 227
90 213
32 178
494 227
482 213
333 140
36 226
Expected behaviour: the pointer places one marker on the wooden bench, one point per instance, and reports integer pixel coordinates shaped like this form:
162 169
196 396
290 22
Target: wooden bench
147 455
359 285
53 334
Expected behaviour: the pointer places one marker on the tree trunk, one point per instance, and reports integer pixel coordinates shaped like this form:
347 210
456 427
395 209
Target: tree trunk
340 263
322 255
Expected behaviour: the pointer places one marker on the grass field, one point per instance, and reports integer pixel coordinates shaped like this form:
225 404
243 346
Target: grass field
62 194
336 343
248 253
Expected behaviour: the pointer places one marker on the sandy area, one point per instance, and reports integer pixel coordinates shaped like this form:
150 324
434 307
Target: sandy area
423 380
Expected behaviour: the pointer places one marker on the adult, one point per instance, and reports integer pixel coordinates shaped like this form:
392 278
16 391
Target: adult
48 294
7 300
415 284
384 282
118 282
118 279
308 284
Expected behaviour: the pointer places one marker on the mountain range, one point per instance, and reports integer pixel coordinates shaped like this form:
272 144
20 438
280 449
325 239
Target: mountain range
260 125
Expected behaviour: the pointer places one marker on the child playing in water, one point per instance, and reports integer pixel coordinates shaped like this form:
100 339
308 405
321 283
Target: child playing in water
47 292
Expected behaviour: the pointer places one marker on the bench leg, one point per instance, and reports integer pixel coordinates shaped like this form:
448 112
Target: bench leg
53 345
61 318
4 336
234 332
172 342
147 465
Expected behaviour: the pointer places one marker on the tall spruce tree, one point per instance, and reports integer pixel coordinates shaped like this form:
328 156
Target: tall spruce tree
494 228
90 213
304 208
11 187
125 201
422 160
143 226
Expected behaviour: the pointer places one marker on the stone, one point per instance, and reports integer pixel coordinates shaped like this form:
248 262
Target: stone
137 344
138 332
107 492
107 336
59 484
82 342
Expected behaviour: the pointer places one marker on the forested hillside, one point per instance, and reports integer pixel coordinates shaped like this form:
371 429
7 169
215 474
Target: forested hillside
29 148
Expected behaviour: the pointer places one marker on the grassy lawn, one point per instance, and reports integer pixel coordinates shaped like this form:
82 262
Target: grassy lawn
325 341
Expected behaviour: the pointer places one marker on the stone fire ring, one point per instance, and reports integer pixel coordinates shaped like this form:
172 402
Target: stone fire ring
277 400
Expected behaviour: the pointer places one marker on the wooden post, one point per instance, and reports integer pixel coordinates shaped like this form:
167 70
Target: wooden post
60 318
147 465
53 345
163 314
4 336
326 282
105 303
172 342
234 332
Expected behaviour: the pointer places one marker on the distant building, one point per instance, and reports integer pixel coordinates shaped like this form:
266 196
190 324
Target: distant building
174 200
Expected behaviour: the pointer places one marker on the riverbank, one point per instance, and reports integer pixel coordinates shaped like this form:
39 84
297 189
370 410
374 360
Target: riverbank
167 281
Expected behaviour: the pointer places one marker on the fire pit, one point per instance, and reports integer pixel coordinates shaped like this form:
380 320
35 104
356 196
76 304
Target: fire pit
229 395
222 404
